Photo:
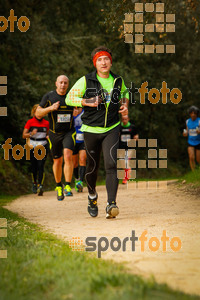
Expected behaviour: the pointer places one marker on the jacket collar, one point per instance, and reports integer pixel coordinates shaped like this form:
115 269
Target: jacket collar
93 75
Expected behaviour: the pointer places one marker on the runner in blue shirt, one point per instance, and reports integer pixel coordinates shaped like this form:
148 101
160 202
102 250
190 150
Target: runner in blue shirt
79 153
193 132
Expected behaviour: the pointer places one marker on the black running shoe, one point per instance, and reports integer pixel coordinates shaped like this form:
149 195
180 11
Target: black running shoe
40 190
92 206
111 210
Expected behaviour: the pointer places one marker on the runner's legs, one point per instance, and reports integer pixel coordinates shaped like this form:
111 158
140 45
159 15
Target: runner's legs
191 153
109 146
93 150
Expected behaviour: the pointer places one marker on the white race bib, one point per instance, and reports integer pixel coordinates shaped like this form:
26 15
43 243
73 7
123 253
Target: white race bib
125 137
193 132
79 137
61 118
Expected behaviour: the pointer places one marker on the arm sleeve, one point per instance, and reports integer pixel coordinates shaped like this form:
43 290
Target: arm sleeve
75 95
27 125
44 102
124 91
134 130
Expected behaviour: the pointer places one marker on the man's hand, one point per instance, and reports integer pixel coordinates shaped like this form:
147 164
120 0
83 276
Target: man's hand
77 111
123 110
34 131
198 130
136 137
185 132
92 102
55 106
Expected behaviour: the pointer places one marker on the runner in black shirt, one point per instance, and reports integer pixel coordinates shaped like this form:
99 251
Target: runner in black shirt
61 133
127 131
103 95
60 120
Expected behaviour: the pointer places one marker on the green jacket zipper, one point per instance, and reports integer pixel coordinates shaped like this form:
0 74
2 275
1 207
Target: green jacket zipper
106 116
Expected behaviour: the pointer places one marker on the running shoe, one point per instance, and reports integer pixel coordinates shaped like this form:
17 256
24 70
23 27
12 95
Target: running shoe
40 190
34 188
68 190
76 181
79 186
60 195
92 206
124 181
111 210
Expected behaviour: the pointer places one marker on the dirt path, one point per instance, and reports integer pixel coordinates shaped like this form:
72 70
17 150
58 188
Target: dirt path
140 209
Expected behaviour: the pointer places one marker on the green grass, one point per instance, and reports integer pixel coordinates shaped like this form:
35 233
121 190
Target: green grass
40 266
193 177
4 199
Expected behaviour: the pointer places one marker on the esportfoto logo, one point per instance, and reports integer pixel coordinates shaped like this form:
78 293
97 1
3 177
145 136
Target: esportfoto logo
126 159
3 234
164 23
23 23
116 244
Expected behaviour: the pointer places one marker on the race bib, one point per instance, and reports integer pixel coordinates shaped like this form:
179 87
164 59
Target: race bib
61 118
125 137
79 137
193 132
107 97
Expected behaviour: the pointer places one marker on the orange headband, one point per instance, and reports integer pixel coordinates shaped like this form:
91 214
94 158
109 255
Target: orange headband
101 53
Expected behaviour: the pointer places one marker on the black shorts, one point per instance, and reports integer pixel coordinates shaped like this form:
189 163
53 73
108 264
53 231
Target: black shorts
197 147
78 147
60 141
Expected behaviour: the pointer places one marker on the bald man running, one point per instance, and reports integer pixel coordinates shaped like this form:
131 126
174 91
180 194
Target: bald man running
61 133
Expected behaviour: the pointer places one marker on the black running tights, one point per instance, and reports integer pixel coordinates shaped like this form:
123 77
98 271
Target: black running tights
107 142
37 167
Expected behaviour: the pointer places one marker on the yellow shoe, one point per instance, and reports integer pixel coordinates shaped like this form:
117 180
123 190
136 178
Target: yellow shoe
68 190
60 195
